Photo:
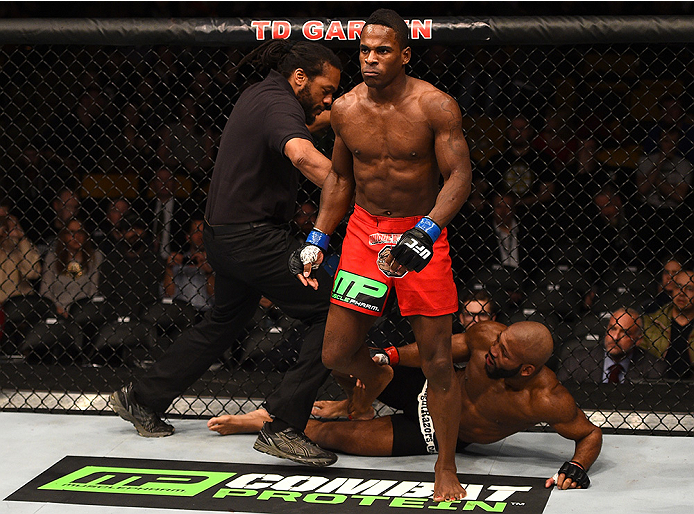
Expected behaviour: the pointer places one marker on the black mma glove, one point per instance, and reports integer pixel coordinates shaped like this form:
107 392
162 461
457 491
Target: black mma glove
416 246
389 356
575 472
308 252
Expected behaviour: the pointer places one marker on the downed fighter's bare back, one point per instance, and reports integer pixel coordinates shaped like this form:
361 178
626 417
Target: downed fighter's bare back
490 409
392 147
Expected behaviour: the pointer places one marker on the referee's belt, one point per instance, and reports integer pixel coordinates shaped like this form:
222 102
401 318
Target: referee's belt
236 228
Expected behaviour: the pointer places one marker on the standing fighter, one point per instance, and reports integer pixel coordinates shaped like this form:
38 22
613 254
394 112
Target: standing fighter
395 136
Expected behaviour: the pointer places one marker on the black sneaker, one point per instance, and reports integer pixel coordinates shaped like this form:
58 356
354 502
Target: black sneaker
146 421
293 445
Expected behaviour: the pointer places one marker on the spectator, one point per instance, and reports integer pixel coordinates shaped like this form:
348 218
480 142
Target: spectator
205 92
666 288
556 139
148 100
663 179
166 213
609 238
502 238
521 169
475 307
134 147
185 146
66 206
70 276
189 277
80 139
112 229
578 183
618 359
187 289
19 266
668 331
30 185
70 270
672 115
125 300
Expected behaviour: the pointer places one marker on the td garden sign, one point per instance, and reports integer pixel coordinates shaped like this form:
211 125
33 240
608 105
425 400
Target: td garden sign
268 489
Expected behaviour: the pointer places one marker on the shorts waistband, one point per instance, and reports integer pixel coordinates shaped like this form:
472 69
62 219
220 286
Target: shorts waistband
385 223
236 228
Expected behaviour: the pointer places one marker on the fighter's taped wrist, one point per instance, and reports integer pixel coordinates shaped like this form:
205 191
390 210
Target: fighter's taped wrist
430 228
318 238
577 464
393 355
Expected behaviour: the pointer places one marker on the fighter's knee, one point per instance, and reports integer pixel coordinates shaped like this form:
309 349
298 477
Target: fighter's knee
331 359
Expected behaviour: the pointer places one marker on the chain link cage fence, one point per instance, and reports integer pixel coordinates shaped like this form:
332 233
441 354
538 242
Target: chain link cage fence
582 146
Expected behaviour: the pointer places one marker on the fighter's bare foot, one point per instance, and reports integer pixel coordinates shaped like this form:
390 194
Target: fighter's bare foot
447 487
240 423
331 409
361 401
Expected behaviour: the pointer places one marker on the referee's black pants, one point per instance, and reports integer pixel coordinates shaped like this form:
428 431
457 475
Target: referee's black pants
248 262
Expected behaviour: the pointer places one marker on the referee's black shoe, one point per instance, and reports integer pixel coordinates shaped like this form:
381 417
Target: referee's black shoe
146 421
293 444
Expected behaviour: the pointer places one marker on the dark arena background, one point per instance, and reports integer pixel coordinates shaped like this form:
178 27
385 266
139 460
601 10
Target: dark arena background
99 114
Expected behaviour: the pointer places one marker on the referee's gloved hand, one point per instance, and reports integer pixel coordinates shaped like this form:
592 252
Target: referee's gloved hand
416 246
385 356
308 257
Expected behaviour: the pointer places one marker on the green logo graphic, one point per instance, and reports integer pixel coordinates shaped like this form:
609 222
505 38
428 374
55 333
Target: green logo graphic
160 482
235 487
359 291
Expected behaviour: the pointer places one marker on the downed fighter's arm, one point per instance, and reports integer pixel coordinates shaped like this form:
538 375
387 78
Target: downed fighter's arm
570 422
452 156
477 338
409 354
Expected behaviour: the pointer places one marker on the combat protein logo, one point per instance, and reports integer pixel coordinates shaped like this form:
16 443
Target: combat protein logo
273 489
277 487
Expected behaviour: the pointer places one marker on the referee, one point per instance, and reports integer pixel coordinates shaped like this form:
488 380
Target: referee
252 197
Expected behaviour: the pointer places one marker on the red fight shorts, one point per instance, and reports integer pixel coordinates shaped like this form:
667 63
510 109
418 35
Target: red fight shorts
363 281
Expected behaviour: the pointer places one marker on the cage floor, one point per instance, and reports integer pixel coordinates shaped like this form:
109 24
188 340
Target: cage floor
634 474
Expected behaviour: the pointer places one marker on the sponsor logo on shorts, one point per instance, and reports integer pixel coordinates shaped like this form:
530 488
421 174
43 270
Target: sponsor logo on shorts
359 291
385 268
384 239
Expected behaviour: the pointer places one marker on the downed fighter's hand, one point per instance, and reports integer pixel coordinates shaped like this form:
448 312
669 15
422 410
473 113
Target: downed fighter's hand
570 476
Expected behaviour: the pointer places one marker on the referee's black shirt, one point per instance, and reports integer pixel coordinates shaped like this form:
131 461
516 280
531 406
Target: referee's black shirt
253 180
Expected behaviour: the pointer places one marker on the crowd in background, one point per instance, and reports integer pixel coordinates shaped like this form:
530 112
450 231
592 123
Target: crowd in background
578 208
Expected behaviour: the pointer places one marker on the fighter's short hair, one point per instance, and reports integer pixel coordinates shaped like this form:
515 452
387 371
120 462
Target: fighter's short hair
391 19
